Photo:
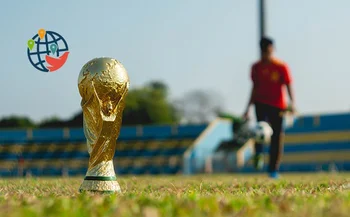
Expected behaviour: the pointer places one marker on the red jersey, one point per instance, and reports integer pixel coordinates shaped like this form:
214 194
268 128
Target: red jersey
269 80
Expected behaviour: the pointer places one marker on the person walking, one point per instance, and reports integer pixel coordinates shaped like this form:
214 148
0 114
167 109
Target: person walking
270 78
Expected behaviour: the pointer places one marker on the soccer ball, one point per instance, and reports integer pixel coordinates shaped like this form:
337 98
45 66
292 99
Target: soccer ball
263 133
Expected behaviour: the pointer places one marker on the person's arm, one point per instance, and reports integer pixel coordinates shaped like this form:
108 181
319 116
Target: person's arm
252 94
291 97
250 102
290 90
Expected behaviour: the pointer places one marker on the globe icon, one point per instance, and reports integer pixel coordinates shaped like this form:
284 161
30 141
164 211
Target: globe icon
47 51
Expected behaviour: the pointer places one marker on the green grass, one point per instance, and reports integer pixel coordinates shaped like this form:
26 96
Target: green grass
207 195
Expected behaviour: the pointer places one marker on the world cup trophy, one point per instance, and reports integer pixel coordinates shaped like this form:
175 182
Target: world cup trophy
103 84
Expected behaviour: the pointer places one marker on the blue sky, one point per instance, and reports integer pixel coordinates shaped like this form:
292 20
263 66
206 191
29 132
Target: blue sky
189 44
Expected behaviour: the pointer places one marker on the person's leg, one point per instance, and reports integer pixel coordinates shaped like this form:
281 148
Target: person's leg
261 115
276 147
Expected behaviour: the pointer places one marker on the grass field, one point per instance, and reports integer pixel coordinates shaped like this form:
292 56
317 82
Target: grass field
208 195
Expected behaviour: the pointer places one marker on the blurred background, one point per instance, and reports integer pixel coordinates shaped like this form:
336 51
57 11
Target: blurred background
188 61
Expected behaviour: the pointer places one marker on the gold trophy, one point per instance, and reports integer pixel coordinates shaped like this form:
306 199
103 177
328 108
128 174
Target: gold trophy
103 84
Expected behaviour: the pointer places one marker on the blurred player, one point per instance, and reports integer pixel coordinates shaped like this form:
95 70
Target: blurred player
270 77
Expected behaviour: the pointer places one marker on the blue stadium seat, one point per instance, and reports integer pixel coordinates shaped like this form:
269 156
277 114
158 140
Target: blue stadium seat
174 169
166 170
8 156
119 154
76 135
34 171
27 155
190 131
80 155
38 155
5 173
158 143
127 170
320 146
121 170
76 172
156 132
51 171
133 153
127 133
82 170
327 122
47 155
137 170
13 136
48 135
64 155
150 153
154 170
173 151
56 155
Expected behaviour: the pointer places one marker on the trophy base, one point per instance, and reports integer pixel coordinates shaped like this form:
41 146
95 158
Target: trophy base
100 184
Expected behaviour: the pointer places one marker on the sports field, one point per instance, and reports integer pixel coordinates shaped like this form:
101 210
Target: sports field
207 195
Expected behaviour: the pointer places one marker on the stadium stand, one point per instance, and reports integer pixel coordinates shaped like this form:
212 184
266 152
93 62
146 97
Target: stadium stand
56 152
317 143
314 143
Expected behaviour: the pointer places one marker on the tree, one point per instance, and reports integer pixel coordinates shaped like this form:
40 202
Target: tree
52 122
149 105
144 105
160 87
77 120
16 122
199 106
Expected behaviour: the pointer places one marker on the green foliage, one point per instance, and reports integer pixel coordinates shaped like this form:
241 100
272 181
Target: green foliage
233 118
16 121
149 105
299 195
56 122
199 106
52 123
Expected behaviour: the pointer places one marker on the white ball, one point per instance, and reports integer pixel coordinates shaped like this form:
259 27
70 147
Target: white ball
263 132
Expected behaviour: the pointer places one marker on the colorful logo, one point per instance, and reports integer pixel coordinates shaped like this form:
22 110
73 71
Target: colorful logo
47 51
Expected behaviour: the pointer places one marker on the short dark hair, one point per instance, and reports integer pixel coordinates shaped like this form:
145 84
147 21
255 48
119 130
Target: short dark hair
265 42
